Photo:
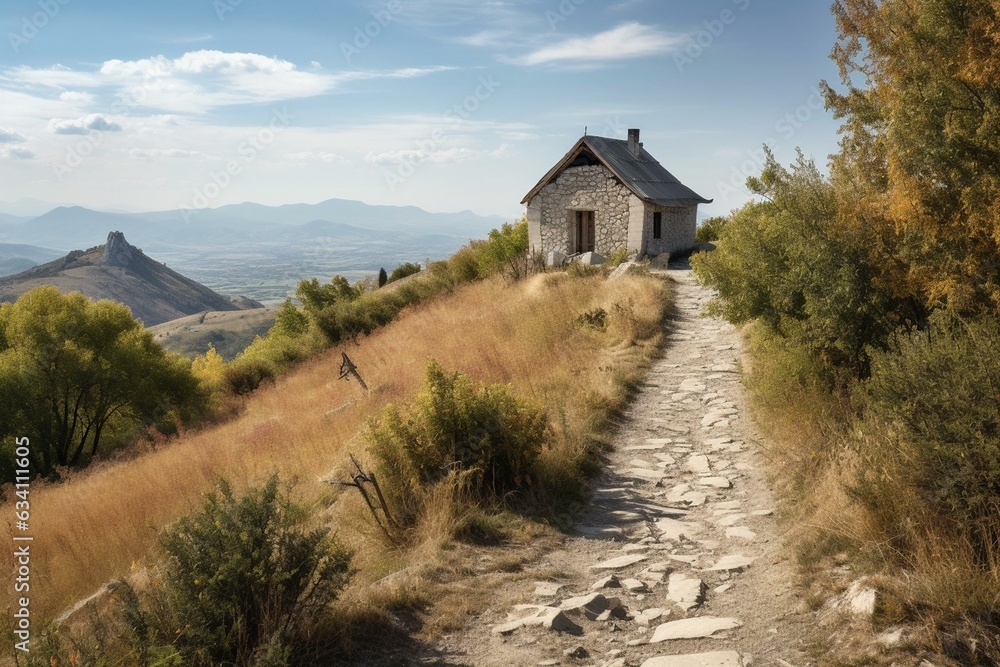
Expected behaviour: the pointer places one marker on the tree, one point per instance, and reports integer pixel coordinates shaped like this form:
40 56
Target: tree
505 250
920 150
74 371
788 262
403 270
383 277
315 297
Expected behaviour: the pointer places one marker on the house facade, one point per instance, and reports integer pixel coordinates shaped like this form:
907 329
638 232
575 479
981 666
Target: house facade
607 194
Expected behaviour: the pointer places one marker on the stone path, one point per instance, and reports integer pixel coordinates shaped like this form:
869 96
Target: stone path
677 561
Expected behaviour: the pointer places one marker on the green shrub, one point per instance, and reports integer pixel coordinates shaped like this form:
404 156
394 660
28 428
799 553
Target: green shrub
596 318
244 581
487 436
244 376
617 258
404 270
711 229
940 390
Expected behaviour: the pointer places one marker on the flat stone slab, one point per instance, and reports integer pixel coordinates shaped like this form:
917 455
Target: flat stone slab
591 606
716 482
698 463
546 589
714 659
732 563
692 385
634 585
645 448
674 530
731 519
550 618
620 562
606 582
660 442
728 505
741 533
685 592
648 474
693 628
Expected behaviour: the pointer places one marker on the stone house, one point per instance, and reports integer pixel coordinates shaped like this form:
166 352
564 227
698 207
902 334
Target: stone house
607 194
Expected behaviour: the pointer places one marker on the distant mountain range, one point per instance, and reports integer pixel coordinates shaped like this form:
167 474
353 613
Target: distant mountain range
119 271
261 251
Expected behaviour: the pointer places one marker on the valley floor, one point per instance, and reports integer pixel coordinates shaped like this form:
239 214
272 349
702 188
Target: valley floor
681 531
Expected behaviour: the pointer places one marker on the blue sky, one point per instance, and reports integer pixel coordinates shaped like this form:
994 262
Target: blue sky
443 104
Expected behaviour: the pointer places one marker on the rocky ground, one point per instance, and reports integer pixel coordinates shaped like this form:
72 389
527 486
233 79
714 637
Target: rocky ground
678 561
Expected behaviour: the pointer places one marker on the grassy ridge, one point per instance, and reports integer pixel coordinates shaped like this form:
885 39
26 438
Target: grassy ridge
102 523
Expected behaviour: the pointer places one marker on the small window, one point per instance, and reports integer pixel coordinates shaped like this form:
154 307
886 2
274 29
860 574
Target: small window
657 225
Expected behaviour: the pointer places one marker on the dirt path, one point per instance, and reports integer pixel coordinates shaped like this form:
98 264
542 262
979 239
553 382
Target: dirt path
678 561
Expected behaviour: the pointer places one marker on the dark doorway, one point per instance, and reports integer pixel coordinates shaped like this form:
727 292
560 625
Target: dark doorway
582 231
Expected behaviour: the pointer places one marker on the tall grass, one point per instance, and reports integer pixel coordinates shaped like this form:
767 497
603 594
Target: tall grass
100 523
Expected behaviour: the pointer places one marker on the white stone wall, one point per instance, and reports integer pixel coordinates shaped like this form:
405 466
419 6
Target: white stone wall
580 189
677 229
621 219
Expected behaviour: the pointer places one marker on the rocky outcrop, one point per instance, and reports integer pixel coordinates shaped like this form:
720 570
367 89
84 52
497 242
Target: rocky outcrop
117 251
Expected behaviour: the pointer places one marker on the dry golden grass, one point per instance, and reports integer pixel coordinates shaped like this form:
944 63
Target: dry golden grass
95 526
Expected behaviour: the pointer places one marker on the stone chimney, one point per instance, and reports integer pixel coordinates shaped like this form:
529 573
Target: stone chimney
634 145
117 251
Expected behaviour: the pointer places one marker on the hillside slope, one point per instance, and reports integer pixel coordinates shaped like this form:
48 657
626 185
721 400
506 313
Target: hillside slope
227 331
121 272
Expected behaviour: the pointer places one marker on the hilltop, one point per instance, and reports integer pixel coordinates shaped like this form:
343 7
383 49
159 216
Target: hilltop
121 272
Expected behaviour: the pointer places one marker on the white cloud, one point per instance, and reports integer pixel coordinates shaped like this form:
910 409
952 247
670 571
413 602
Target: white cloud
447 156
314 156
10 137
629 40
76 96
94 122
16 153
150 153
489 38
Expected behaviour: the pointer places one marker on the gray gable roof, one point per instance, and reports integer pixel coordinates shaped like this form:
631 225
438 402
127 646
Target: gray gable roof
642 174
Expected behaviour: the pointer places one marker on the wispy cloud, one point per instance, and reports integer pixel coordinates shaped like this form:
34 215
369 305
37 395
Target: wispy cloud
629 40
446 156
198 81
16 153
625 4
191 39
453 13
177 153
